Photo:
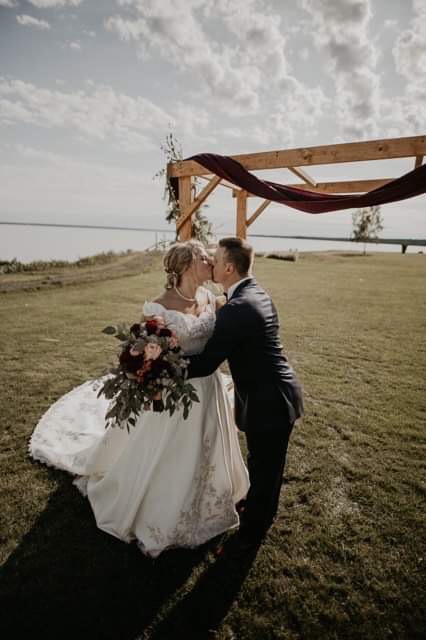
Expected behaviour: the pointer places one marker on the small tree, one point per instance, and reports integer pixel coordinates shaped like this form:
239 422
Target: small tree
367 223
201 227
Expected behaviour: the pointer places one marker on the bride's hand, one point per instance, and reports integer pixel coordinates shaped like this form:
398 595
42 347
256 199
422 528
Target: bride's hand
220 301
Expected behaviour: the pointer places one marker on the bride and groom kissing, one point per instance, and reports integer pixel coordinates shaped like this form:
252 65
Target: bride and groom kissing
172 482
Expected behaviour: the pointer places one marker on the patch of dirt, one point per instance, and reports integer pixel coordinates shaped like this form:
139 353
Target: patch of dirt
123 266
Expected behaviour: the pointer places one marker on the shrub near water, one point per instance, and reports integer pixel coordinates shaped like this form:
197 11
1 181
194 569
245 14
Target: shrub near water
14 266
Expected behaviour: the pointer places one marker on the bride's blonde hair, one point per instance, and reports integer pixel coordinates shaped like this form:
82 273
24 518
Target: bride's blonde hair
178 259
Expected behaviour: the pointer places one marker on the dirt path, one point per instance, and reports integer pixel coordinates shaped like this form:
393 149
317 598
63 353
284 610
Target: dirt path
121 267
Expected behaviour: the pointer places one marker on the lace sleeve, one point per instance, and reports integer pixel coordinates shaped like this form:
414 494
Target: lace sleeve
154 309
203 326
211 298
191 331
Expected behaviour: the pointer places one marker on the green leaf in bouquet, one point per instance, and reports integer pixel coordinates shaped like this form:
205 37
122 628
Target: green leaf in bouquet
123 332
139 345
111 413
110 330
193 396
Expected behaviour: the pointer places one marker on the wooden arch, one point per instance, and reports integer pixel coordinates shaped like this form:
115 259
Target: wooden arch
293 160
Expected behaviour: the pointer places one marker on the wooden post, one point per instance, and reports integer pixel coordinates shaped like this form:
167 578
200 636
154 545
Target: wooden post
258 211
185 201
242 214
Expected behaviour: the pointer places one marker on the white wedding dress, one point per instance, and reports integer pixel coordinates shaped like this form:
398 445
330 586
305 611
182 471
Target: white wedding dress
170 482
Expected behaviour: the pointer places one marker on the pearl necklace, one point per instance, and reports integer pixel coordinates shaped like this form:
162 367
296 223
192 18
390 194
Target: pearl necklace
184 297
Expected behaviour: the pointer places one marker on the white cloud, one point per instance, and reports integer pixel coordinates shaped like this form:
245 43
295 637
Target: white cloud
341 32
174 31
48 4
410 47
28 21
229 75
75 45
406 113
9 4
260 35
391 24
288 119
98 113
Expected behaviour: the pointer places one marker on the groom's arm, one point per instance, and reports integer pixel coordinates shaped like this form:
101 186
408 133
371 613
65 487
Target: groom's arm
227 334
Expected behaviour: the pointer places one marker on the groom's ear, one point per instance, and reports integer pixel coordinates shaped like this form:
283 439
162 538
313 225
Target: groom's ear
230 268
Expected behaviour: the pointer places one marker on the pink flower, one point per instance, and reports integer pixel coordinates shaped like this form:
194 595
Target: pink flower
152 351
173 342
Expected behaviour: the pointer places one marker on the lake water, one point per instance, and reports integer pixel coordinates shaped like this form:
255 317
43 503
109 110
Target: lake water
44 243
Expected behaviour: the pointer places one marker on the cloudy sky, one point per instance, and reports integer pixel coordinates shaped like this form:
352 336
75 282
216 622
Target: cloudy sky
89 89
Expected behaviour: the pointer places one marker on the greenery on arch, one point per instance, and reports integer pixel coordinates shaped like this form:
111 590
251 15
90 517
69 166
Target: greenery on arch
201 227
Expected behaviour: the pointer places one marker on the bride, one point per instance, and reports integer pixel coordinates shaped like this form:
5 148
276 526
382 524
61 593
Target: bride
170 482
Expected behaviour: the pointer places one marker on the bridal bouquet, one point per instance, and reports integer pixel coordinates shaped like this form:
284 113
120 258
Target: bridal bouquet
151 373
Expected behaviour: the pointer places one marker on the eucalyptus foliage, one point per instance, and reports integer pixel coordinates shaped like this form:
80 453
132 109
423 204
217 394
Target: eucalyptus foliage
201 227
163 387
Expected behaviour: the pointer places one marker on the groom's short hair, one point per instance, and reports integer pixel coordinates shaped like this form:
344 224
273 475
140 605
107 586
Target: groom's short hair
239 252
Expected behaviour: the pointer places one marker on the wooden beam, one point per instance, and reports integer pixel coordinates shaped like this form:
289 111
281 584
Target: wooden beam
241 229
302 174
191 208
184 222
222 184
418 162
203 195
258 211
326 154
344 186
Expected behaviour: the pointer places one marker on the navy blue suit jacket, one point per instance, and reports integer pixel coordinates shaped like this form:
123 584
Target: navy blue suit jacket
267 393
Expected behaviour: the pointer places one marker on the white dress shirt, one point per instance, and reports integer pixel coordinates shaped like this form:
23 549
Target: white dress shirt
235 285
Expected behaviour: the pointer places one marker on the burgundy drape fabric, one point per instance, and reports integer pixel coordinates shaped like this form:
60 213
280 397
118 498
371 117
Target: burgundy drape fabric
409 185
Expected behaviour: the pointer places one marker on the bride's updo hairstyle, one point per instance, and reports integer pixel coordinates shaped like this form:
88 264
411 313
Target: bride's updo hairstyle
179 259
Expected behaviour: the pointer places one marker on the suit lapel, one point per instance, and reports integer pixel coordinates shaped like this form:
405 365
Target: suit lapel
241 287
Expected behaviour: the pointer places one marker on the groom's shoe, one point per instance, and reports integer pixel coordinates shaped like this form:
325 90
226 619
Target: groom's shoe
243 544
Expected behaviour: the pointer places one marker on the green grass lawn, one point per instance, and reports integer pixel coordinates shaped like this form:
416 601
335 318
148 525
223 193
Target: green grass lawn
346 557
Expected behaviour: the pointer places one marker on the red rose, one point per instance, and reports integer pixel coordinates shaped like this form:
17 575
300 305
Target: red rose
151 326
136 329
130 363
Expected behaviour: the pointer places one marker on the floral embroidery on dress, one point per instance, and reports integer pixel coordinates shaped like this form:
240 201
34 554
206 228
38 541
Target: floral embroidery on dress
209 513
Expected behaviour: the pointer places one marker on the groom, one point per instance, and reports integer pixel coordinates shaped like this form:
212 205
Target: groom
268 397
